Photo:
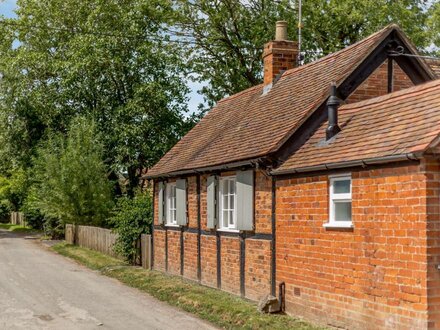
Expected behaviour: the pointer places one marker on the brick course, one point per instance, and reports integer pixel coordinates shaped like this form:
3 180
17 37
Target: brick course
230 264
257 265
377 83
208 253
174 252
190 256
371 277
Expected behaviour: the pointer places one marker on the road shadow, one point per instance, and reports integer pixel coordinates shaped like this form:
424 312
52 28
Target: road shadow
23 235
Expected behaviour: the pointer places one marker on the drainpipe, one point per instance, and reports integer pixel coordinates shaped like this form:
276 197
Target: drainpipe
332 107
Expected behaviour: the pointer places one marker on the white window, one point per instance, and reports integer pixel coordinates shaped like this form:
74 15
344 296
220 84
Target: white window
227 203
340 202
171 219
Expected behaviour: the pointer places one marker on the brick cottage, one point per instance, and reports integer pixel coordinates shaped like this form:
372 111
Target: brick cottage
332 191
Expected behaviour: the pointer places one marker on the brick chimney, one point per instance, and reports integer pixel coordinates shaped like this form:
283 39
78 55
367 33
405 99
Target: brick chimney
279 55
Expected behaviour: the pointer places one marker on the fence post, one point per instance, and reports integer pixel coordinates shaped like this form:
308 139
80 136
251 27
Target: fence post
146 251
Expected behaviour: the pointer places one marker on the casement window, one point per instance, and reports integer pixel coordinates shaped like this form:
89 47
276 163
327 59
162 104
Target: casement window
172 203
230 201
171 206
340 202
227 203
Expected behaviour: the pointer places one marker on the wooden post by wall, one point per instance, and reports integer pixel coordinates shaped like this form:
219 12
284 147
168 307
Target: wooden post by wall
146 251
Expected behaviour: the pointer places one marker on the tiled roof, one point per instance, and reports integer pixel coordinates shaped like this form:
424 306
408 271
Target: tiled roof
434 65
249 125
400 123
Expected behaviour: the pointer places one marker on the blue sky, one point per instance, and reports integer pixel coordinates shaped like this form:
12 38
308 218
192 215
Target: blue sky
7 9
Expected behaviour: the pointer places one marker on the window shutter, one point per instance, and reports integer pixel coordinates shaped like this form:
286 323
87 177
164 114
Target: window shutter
181 202
161 202
245 200
212 202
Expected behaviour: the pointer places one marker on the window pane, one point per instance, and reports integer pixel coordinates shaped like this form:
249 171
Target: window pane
342 211
225 187
231 187
231 202
225 218
225 202
231 218
341 187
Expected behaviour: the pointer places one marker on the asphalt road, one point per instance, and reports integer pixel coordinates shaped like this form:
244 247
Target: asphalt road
42 290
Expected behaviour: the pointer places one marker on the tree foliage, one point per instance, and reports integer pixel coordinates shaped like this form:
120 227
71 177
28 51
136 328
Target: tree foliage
70 178
434 26
227 37
132 217
102 58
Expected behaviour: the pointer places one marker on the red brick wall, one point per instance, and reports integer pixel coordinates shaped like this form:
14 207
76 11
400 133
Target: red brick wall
257 251
257 265
377 83
190 258
263 203
159 250
230 264
174 252
371 277
431 167
208 251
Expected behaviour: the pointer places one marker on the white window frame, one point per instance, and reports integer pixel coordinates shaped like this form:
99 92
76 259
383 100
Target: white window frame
222 227
334 198
171 205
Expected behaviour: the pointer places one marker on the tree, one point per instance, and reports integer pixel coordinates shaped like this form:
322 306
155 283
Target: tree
226 37
434 26
70 178
107 59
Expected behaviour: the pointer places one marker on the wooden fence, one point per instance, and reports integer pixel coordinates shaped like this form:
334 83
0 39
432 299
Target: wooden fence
103 240
17 218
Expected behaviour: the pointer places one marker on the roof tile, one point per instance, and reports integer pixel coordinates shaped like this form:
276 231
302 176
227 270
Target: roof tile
250 125
394 124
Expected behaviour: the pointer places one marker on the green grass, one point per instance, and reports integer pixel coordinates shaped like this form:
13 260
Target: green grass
218 307
18 229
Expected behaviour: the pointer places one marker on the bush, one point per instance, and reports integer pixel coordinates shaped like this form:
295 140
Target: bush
5 211
70 180
13 189
53 228
132 217
33 216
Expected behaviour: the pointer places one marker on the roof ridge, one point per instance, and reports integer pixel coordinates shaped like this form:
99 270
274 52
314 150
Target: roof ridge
302 67
390 96
343 50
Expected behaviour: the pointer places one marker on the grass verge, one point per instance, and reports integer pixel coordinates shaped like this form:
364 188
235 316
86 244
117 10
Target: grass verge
18 228
218 307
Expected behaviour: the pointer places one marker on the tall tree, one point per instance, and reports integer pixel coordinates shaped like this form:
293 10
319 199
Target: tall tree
70 178
105 58
226 37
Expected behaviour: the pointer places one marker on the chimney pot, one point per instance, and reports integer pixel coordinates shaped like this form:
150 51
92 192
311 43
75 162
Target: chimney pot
281 31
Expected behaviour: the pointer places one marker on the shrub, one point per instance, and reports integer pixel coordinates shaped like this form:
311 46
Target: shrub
33 216
132 217
13 189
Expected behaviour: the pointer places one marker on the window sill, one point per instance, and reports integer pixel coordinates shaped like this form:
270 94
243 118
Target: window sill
341 224
171 225
229 230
